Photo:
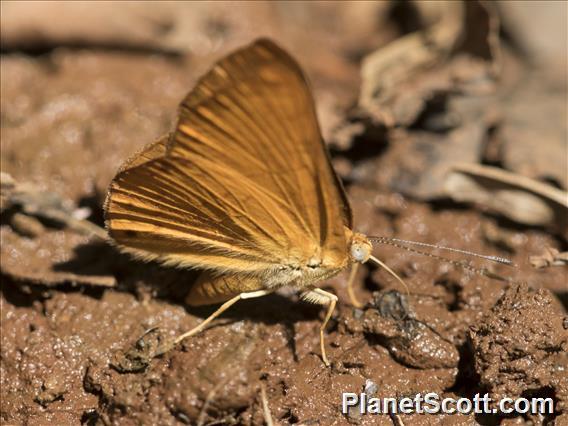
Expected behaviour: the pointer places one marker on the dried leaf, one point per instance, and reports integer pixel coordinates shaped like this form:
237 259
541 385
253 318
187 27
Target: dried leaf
516 197
423 173
67 249
550 257
33 201
399 79
534 132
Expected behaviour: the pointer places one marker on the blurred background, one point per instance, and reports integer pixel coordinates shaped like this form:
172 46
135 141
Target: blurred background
89 80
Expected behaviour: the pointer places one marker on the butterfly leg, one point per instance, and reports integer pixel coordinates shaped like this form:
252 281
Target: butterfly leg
354 301
321 297
222 308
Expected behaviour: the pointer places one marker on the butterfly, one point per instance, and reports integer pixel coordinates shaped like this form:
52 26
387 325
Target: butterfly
243 190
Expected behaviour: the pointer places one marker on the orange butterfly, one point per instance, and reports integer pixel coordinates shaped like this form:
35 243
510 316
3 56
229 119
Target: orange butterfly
243 189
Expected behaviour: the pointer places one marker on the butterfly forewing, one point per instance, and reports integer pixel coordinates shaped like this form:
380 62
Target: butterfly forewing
245 183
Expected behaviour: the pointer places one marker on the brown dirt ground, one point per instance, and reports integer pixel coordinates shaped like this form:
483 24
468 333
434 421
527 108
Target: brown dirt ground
73 310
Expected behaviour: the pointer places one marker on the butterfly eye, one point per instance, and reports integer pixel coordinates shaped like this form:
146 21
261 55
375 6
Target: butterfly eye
360 252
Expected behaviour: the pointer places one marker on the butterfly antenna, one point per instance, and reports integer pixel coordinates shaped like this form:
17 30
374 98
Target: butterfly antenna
390 271
496 259
399 243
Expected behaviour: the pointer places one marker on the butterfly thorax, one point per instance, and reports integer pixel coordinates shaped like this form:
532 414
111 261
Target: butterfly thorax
304 272
308 271
300 276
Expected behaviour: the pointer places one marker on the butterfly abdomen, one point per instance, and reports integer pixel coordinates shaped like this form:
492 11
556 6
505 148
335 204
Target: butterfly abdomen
210 289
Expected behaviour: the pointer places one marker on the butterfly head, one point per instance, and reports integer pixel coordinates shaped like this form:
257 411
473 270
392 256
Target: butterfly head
360 248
